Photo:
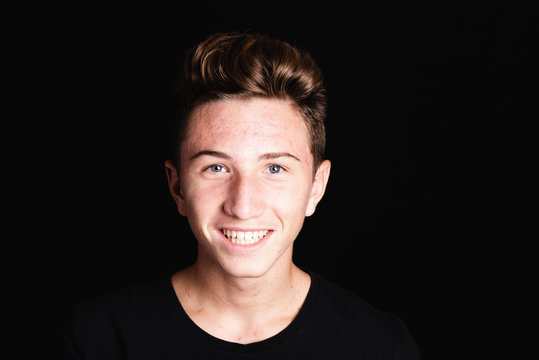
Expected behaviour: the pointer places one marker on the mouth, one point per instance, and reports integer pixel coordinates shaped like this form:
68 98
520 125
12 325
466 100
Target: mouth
244 237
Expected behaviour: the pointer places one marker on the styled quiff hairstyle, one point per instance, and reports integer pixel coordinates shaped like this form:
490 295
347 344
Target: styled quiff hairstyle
242 66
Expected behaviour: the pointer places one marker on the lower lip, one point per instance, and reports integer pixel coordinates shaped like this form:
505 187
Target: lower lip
240 247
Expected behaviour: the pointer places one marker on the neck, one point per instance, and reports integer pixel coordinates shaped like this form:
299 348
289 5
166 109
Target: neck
241 309
247 294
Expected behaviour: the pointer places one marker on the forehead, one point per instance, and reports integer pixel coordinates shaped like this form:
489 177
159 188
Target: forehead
242 127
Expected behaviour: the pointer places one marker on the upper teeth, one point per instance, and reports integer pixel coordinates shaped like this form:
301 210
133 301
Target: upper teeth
244 237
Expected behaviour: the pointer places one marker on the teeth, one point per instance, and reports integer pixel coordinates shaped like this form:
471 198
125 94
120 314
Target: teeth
244 238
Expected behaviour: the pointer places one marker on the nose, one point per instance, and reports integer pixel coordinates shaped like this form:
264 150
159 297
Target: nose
245 198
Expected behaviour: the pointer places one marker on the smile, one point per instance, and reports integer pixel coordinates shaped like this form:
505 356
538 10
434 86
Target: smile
244 237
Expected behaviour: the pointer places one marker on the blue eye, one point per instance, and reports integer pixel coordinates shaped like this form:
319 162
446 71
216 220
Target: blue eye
216 168
275 169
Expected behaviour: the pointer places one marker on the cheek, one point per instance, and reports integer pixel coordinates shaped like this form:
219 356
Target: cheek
292 201
202 207
198 198
203 201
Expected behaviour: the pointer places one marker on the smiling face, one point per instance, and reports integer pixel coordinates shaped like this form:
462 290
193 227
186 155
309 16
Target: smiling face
246 183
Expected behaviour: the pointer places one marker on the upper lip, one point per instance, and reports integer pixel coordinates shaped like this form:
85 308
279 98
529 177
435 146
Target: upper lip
234 228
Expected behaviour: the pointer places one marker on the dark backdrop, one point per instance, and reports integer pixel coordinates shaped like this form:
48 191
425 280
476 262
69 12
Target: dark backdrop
415 92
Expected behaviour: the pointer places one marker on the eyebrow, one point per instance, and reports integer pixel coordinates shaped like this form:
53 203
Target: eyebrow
275 155
213 153
222 155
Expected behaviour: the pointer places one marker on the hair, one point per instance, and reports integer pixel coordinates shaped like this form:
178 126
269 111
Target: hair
244 65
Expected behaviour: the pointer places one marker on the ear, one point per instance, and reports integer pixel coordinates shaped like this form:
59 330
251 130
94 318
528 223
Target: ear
174 186
319 186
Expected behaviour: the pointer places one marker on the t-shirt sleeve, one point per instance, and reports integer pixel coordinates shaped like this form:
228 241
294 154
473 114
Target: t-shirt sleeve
92 334
406 346
71 351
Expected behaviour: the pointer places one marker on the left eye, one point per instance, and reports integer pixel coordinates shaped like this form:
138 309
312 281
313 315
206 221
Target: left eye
216 168
275 169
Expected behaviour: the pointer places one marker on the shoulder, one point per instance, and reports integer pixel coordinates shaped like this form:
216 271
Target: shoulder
348 304
97 326
137 298
360 323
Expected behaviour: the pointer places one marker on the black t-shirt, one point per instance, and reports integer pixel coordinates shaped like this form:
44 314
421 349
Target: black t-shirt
147 321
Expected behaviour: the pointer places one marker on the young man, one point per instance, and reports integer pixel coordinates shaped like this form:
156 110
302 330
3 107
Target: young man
249 167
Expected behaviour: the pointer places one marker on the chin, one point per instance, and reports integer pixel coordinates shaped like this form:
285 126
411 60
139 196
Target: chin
248 265
246 271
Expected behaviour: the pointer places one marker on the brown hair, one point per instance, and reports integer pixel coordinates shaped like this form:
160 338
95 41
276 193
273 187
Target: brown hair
236 65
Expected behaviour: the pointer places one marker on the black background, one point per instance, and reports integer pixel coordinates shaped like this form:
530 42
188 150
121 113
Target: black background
418 94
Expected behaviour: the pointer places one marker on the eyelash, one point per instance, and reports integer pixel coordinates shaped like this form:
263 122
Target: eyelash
215 165
275 166
222 167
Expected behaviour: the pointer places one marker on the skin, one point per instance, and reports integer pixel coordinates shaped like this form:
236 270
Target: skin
245 165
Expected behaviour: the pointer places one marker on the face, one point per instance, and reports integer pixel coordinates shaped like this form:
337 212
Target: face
246 183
